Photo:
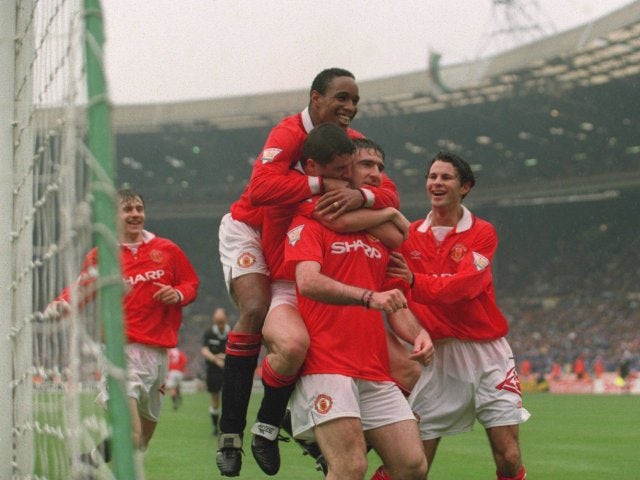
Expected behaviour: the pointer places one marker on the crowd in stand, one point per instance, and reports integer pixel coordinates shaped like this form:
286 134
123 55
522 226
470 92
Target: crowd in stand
582 301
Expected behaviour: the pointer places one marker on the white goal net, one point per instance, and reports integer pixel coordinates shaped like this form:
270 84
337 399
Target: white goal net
51 367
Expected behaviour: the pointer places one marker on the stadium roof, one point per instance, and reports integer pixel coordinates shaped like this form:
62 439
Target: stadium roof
554 121
596 53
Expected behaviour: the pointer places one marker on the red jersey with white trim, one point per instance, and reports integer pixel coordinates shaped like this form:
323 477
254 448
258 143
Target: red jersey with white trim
277 220
178 360
345 339
453 294
272 181
156 259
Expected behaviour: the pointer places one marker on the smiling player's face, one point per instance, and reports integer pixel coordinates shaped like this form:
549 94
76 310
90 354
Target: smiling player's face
338 105
131 220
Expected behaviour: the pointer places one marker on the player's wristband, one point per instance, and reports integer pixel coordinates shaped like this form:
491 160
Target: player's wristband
364 198
363 300
368 299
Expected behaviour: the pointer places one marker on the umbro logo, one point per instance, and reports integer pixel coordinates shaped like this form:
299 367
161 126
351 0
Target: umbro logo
511 383
267 430
415 254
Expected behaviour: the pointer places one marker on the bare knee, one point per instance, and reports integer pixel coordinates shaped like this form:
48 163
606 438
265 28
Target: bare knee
414 469
293 349
286 337
353 468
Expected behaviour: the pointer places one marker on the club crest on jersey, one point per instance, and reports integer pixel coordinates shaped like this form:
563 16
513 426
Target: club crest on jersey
480 261
269 154
372 238
156 256
457 252
511 383
322 404
294 234
246 259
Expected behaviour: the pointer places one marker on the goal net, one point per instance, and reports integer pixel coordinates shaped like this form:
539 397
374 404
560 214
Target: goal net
57 203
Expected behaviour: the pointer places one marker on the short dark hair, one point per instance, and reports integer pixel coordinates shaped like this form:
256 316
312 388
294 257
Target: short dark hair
324 142
368 144
127 195
321 83
462 166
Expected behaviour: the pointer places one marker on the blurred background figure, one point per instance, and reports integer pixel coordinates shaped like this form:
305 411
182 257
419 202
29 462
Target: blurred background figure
178 362
214 343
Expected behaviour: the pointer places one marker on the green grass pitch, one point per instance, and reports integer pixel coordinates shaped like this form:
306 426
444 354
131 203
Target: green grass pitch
569 437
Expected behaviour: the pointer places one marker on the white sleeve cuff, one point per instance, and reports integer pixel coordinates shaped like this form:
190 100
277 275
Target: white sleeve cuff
315 185
369 197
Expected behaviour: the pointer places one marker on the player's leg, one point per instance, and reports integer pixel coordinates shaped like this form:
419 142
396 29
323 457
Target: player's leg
136 422
505 447
430 448
148 428
343 445
390 427
153 363
499 404
287 341
399 446
214 387
247 279
309 447
404 371
179 389
251 293
326 408
171 386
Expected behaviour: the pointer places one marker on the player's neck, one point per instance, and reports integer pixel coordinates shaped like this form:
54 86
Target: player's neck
128 239
446 216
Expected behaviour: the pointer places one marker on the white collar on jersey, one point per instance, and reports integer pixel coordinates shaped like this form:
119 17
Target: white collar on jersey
306 120
463 224
308 126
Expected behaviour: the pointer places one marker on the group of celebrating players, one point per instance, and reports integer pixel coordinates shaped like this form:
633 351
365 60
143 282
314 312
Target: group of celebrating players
369 321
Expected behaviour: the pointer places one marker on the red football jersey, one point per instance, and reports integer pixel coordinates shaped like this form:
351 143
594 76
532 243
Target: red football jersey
157 259
273 181
345 339
178 360
453 294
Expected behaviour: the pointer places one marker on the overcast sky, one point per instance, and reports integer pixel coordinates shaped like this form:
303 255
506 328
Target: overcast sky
171 50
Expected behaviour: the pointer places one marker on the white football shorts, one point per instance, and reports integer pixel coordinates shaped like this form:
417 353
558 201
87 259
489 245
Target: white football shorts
147 369
174 378
319 398
468 381
283 292
240 249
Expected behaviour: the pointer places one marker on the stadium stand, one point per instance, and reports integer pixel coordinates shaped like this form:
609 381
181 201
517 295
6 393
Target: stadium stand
552 130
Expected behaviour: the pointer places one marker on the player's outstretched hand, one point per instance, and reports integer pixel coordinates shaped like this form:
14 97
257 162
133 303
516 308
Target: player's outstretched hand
56 310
